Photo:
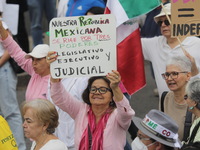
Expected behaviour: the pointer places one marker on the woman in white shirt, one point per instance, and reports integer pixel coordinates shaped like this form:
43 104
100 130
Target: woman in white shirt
40 121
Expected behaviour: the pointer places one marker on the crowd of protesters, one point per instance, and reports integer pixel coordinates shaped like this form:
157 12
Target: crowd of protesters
94 113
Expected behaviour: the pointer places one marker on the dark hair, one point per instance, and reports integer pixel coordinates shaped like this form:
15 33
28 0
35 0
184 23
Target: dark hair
168 147
86 92
95 10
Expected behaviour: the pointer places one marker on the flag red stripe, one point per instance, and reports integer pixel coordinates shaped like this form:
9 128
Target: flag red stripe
131 63
107 11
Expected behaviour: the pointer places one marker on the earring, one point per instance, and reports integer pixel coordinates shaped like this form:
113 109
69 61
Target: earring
111 103
190 108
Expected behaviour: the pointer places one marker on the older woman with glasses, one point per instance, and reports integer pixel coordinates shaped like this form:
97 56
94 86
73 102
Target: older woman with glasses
101 121
192 98
178 73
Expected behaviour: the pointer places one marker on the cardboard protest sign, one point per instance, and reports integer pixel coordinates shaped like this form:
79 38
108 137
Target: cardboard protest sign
185 18
86 45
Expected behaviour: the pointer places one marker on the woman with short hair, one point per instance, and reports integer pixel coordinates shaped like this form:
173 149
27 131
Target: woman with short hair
40 121
177 75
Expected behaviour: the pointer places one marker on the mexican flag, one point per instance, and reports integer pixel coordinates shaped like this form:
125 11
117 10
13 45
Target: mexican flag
130 62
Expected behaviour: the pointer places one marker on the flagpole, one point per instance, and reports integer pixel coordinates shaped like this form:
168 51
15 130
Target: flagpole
57 1
184 51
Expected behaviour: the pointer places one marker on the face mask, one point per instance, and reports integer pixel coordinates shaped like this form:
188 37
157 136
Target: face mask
138 145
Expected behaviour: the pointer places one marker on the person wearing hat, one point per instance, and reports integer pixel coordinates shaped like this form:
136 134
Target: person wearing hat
192 98
33 63
158 49
9 107
157 131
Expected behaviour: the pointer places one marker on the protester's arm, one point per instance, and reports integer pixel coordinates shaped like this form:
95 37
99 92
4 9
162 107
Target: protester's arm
146 48
14 50
65 100
59 95
3 31
194 71
115 79
124 113
4 58
124 110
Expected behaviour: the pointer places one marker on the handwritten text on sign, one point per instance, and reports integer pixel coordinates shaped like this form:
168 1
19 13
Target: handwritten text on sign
86 45
185 18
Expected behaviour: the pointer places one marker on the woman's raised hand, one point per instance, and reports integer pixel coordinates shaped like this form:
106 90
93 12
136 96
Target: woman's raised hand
3 32
51 57
194 70
114 78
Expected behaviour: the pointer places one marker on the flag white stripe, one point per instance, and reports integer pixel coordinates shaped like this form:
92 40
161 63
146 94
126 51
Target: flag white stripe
124 30
116 8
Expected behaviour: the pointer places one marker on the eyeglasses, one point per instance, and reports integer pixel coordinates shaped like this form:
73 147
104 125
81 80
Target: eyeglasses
165 21
173 75
185 97
101 90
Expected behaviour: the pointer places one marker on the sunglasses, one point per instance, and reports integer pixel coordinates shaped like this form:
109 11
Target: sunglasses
165 21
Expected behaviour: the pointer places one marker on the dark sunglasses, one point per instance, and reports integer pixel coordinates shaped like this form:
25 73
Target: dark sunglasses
165 21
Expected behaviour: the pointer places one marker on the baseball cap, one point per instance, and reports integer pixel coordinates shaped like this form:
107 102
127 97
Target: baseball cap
39 51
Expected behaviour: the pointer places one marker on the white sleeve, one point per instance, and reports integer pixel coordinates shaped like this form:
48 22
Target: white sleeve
195 77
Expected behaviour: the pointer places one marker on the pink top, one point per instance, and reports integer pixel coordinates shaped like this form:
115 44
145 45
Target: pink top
114 136
123 89
37 86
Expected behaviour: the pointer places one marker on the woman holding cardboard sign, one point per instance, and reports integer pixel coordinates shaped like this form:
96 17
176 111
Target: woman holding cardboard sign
104 115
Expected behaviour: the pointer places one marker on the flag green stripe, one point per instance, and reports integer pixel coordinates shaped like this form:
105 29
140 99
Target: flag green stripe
135 8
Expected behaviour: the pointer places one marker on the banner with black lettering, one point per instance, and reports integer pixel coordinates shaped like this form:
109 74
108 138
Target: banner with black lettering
185 18
85 45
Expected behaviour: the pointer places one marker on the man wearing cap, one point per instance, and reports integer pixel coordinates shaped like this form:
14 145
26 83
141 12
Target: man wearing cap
36 67
9 107
159 49
157 131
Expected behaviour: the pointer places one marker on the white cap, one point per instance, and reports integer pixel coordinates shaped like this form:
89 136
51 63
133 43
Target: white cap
39 51
164 11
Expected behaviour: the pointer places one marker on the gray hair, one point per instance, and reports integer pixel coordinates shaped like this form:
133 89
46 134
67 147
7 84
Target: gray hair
180 61
193 90
45 111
